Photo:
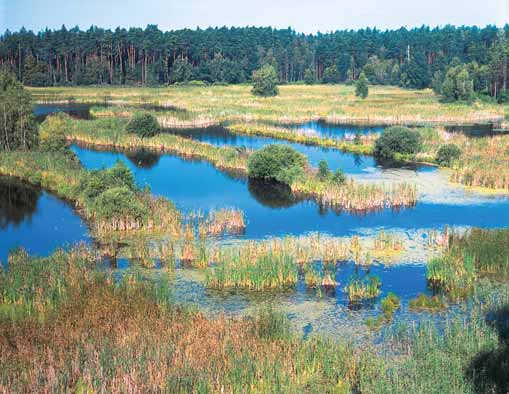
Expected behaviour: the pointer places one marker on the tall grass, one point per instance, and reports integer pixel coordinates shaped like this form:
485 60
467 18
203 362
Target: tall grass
476 253
295 104
78 329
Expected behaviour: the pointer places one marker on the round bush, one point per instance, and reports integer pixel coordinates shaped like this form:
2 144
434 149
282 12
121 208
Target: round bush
144 125
118 203
447 154
276 162
397 140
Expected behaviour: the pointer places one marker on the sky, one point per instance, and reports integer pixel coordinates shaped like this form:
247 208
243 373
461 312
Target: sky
303 16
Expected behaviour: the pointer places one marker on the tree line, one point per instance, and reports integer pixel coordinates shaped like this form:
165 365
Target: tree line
415 58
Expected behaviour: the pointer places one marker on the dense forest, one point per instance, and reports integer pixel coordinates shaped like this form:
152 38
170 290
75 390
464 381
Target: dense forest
418 58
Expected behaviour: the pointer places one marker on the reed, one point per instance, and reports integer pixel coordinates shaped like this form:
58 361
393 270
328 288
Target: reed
266 272
360 289
426 303
66 327
473 254
363 146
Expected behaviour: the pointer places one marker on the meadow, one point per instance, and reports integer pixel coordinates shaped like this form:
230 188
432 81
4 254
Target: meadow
201 106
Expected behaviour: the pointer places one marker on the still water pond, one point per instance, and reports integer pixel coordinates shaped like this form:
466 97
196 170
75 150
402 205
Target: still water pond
273 211
35 220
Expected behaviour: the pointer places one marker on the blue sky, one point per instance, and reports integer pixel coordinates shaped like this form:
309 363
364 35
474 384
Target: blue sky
303 16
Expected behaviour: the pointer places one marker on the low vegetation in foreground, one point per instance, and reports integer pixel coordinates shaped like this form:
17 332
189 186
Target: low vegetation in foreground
66 326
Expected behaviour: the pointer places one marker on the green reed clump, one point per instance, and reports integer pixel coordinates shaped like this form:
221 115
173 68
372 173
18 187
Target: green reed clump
424 302
390 304
359 289
269 271
474 254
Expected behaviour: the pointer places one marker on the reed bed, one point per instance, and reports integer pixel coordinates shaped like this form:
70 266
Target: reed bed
352 196
295 104
361 289
110 133
66 327
363 146
223 221
483 162
275 263
476 253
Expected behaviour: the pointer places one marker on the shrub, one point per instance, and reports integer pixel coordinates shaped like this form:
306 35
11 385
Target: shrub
339 177
143 124
93 184
361 87
118 203
447 154
265 82
53 131
323 170
397 140
276 162
309 77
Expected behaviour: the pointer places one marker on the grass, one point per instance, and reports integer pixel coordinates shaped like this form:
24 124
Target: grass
67 327
427 303
469 256
295 104
360 289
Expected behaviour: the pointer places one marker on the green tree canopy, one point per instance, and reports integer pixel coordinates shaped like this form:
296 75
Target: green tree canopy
397 140
17 128
279 163
265 82
361 86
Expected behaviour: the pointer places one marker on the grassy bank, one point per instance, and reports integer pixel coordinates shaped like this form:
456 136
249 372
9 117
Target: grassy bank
66 327
108 202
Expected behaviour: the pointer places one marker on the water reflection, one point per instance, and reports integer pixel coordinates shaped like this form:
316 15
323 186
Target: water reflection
35 220
143 158
271 194
18 201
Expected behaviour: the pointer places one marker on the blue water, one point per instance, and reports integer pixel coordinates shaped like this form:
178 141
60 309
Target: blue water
349 163
198 185
35 220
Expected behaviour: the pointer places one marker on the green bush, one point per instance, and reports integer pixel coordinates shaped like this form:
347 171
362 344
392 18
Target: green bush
93 184
397 140
265 82
117 203
361 86
52 132
143 124
339 177
276 162
323 170
447 154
